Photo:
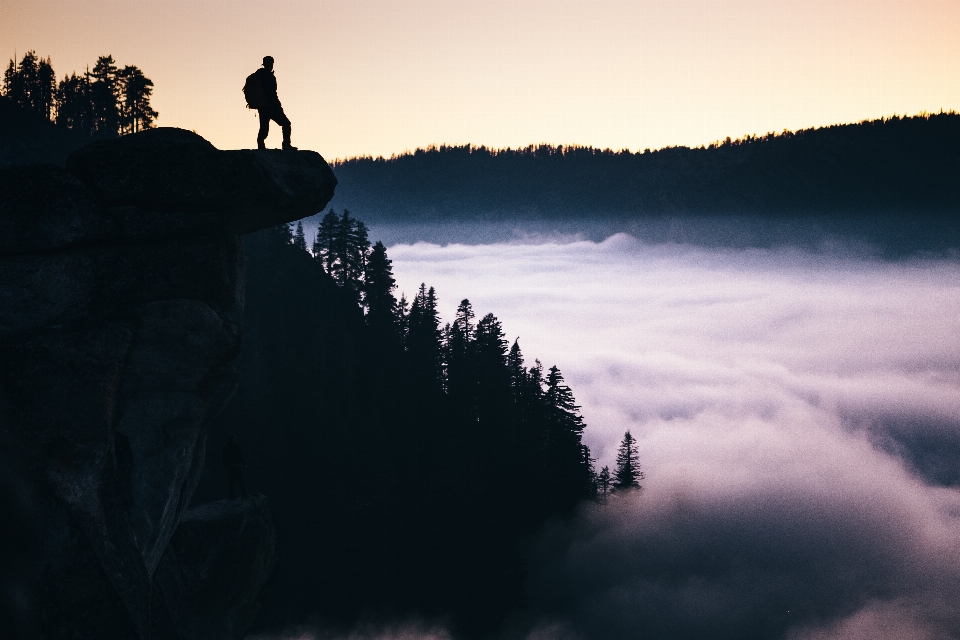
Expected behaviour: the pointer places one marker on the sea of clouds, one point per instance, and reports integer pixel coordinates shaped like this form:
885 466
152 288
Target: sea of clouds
798 419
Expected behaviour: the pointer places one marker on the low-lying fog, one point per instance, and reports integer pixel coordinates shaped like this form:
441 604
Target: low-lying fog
798 419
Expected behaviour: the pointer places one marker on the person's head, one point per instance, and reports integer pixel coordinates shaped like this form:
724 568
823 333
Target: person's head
268 63
233 437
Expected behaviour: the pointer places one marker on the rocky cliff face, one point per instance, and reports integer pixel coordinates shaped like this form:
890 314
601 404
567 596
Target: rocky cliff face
121 297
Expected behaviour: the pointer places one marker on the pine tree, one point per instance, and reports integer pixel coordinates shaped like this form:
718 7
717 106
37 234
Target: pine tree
324 245
423 338
12 83
134 90
46 89
463 320
31 84
490 371
493 382
402 319
357 250
573 468
560 395
342 246
378 287
18 80
104 95
491 343
457 355
627 474
515 368
29 72
603 481
74 109
299 241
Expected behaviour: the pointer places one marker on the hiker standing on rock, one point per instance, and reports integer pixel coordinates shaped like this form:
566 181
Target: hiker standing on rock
261 93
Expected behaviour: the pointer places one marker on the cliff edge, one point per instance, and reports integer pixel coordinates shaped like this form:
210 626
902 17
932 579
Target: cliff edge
121 299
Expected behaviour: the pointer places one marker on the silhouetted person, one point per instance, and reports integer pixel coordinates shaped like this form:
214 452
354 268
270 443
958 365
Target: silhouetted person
233 461
271 108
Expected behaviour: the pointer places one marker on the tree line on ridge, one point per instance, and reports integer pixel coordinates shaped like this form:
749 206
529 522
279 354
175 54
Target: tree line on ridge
901 165
106 101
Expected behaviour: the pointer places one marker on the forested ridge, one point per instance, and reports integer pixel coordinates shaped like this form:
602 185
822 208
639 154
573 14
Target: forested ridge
408 461
43 120
898 164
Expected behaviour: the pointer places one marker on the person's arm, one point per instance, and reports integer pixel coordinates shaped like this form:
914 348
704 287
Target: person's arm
270 85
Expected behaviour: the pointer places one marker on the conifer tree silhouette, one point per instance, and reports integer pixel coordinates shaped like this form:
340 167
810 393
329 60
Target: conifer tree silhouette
603 481
73 103
324 245
342 246
627 474
378 288
104 92
134 90
423 338
31 83
299 241
402 319
457 353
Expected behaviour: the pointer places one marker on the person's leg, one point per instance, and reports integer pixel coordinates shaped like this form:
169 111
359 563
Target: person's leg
264 129
231 480
281 119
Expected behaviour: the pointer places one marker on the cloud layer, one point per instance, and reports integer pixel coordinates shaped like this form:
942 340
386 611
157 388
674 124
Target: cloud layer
798 420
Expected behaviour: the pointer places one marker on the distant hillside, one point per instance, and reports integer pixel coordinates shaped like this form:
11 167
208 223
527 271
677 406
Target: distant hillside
900 165
27 137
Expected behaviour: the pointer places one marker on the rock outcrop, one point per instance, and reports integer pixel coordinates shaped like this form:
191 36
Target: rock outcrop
121 298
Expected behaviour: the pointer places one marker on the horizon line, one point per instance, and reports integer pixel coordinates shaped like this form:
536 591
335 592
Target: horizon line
746 138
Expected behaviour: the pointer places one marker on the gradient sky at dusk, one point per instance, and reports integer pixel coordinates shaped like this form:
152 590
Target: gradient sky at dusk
383 76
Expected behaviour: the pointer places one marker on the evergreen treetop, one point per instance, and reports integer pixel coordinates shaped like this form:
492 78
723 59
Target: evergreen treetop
603 481
627 474
342 246
378 287
299 241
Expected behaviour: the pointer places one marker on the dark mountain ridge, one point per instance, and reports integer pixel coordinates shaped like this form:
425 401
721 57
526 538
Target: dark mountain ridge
901 165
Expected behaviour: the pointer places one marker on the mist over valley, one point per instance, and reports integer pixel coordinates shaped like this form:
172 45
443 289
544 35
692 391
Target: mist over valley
797 419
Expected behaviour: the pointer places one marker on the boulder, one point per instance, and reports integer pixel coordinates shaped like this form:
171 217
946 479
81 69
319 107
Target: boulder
171 172
121 299
159 184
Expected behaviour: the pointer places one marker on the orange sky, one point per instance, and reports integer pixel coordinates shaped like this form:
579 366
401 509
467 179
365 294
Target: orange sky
384 76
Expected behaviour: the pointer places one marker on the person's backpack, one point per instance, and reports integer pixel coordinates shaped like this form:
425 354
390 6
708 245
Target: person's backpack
253 91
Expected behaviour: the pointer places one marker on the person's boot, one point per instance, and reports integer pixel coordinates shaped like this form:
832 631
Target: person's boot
261 145
286 139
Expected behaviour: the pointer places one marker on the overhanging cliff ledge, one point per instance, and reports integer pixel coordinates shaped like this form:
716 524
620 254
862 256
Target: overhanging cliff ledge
121 298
